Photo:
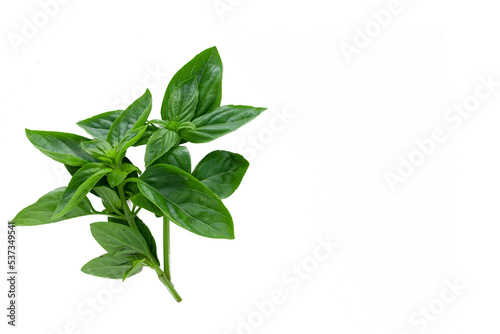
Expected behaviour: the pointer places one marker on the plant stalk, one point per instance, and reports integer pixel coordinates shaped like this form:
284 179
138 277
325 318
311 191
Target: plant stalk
163 278
128 214
166 247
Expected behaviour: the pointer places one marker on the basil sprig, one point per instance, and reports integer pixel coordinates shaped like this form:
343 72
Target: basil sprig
168 187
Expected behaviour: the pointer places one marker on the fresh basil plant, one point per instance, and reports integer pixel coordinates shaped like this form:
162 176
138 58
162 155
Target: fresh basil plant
168 187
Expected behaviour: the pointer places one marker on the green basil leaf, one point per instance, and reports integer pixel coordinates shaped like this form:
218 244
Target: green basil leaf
133 117
101 183
79 186
60 146
219 122
141 201
41 211
181 104
186 201
144 230
159 144
99 149
120 240
99 125
130 187
135 269
130 138
146 135
207 67
222 172
129 168
108 266
109 198
148 236
118 175
177 156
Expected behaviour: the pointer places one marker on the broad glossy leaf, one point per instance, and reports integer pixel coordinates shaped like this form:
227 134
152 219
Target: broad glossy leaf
60 146
159 144
108 266
219 122
79 186
130 138
99 125
135 269
133 117
222 172
177 156
186 201
98 148
141 201
182 101
109 198
120 240
207 66
41 211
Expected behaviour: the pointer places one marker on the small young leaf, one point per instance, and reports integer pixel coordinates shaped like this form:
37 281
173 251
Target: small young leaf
135 269
98 148
177 156
130 187
109 198
130 138
222 172
41 211
159 144
108 266
118 175
120 240
219 122
79 186
186 201
181 104
60 146
99 125
207 67
129 168
133 117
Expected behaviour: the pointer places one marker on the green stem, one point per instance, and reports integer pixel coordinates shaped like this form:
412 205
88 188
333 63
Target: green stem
166 247
163 278
128 214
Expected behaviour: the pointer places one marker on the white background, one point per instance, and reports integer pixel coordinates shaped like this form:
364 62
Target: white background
333 131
